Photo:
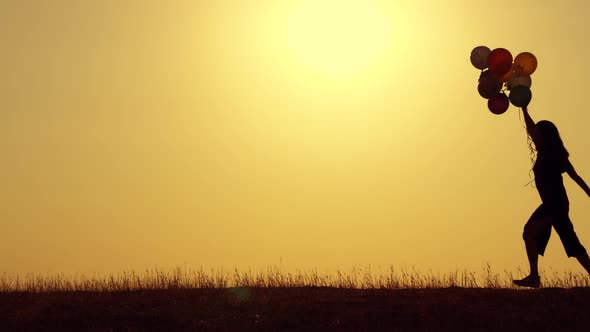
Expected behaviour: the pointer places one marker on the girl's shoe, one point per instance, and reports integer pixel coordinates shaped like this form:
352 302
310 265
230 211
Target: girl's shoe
530 281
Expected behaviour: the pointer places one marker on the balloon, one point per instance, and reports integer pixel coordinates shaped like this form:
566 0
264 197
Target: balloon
500 61
479 57
520 96
525 63
498 103
519 80
508 75
488 86
485 73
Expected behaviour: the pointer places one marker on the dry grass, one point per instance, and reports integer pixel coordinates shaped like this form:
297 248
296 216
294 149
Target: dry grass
276 277
361 299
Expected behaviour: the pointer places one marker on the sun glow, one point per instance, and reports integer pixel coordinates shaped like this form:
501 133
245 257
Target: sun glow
338 37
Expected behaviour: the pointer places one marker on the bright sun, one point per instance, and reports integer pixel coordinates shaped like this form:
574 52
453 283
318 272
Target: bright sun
338 37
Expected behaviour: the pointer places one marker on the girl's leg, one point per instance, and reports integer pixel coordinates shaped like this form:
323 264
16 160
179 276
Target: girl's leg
532 253
536 236
584 260
564 227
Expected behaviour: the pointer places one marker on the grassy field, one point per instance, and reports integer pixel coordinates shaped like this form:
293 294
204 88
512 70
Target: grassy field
273 300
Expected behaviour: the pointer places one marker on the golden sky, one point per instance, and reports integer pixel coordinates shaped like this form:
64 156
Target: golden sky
140 134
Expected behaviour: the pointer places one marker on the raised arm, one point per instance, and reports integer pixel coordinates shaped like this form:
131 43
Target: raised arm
530 124
578 179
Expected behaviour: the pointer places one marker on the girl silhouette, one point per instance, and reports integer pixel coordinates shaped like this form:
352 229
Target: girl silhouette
552 160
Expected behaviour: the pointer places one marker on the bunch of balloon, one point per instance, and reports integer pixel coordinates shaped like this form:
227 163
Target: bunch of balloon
501 74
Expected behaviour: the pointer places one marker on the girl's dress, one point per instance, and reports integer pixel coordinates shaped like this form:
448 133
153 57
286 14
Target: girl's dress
554 209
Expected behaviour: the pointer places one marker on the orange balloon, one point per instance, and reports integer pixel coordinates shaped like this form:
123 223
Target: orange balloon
525 64
506 77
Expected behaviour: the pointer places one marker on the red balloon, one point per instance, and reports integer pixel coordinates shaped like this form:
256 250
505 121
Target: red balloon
498 103
500 61
488 86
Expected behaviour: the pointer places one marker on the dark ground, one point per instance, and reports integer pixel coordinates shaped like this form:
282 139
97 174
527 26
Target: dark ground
300 309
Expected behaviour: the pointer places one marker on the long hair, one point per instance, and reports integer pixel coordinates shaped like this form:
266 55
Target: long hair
549 141
547 144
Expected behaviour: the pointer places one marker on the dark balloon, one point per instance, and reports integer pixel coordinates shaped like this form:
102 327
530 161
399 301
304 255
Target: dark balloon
485 73
520 96
479 57
488 86
519 80
500 61
498 103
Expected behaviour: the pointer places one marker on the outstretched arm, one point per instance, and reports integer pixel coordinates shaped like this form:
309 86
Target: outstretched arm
530 124
578 179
